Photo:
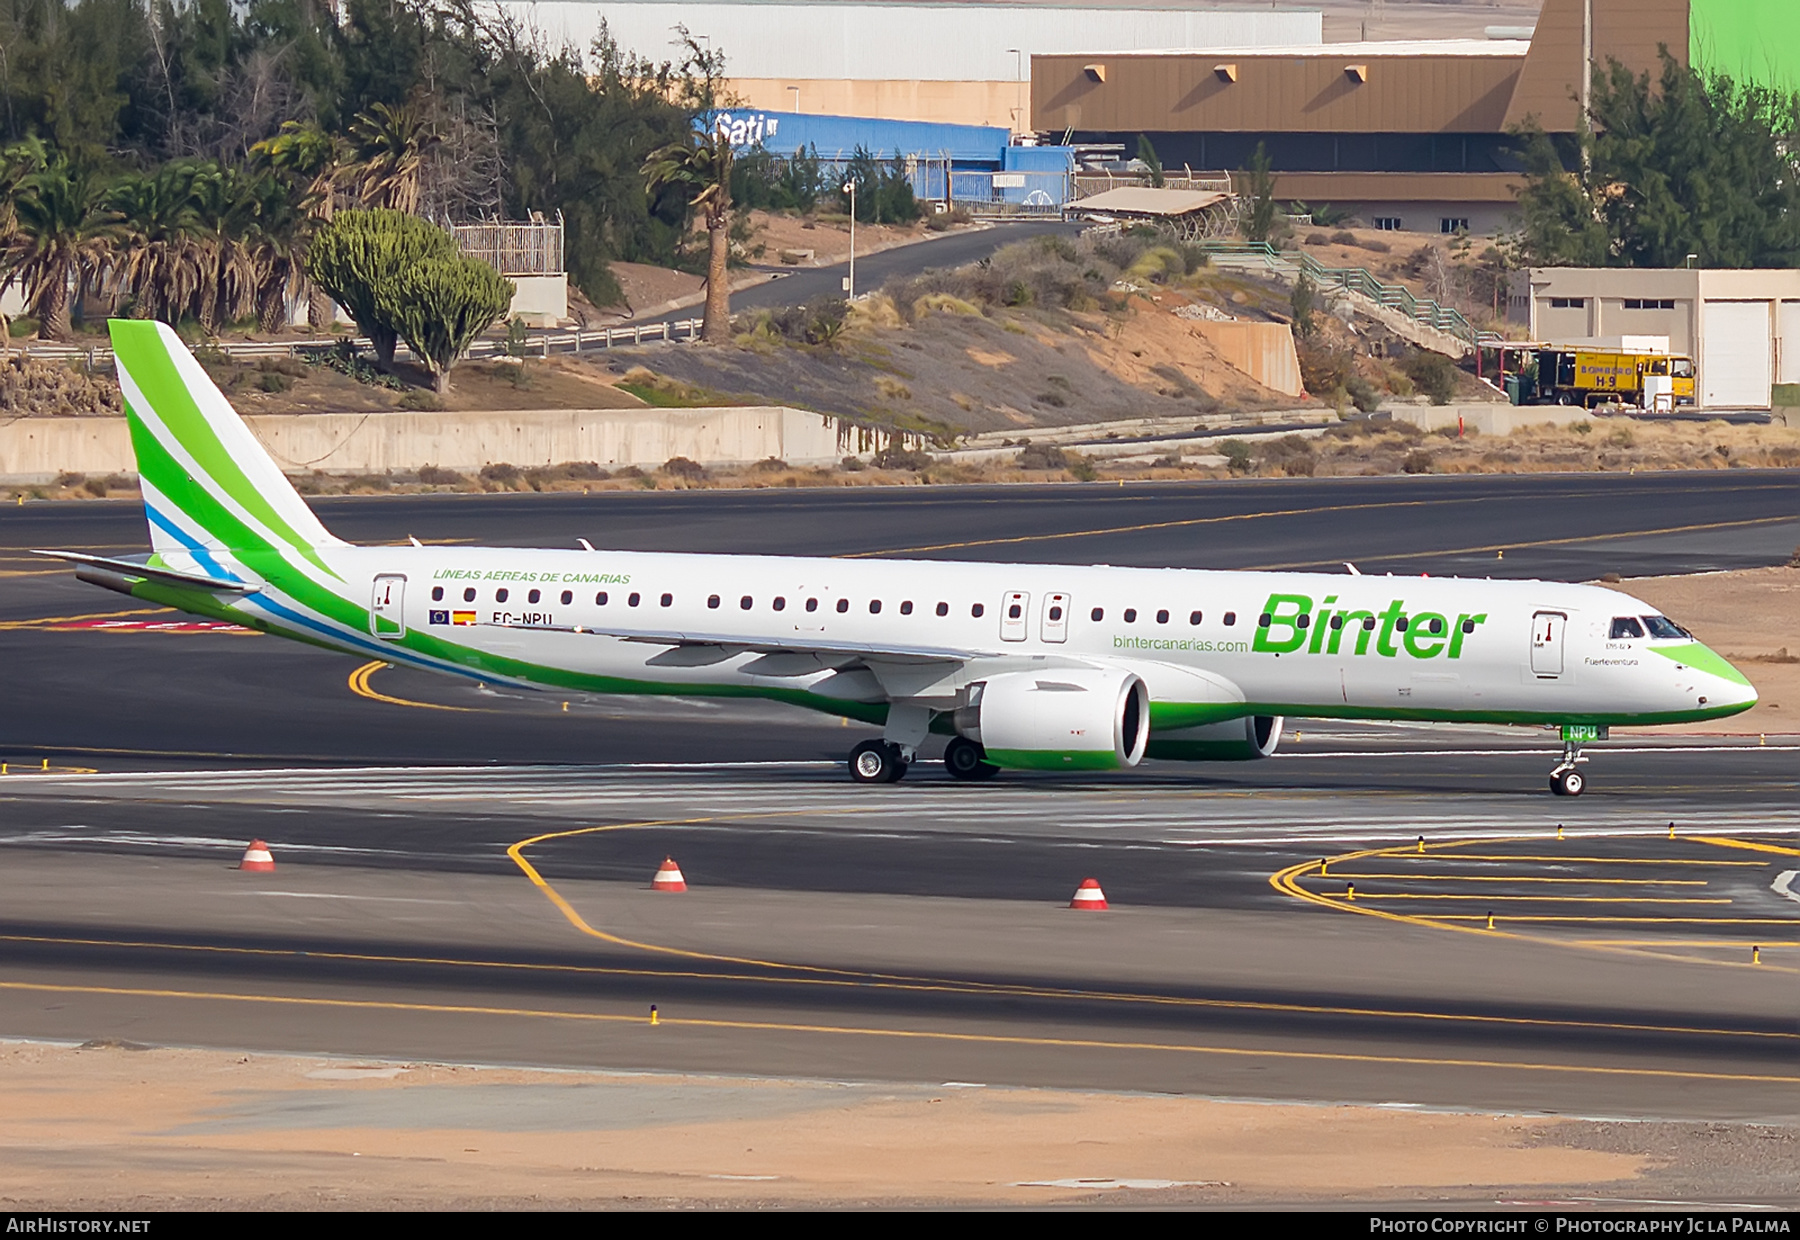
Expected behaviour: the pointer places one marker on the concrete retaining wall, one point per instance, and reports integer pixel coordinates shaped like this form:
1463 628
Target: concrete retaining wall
1487 419
37 449
1264 351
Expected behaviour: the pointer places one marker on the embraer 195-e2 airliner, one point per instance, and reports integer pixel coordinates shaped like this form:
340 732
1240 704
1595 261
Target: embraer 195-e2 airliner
1022 666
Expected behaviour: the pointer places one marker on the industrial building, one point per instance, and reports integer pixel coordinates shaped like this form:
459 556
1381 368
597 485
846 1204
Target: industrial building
957 63
1409 135
1741 327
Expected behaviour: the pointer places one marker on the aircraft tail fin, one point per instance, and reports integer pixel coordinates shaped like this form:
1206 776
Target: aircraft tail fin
208 482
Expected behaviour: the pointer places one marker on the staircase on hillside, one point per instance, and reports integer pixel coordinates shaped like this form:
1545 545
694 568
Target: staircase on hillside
1419 320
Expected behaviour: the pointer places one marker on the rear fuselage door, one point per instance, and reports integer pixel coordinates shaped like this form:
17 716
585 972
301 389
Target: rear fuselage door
1013 618
1054 627
1547 644
387 608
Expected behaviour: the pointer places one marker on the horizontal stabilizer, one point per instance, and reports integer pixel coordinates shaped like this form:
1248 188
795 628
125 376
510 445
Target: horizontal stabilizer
166 576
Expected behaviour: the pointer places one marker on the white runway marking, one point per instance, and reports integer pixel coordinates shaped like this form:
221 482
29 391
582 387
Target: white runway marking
814 799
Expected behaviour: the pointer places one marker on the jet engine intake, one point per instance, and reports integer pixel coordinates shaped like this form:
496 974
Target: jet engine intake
1061 719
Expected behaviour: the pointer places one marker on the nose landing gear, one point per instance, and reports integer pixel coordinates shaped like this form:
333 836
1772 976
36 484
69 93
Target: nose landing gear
1566 780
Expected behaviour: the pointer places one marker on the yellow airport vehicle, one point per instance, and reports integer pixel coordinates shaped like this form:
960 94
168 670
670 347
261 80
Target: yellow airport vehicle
1590 377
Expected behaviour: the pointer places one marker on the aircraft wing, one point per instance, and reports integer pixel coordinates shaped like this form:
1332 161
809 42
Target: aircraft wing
133 568
799 643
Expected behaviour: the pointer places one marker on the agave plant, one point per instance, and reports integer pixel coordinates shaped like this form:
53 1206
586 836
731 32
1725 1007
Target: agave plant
63 235
162 255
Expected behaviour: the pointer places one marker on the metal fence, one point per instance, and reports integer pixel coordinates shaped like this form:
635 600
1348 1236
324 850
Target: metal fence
537 345
533 248
1089 182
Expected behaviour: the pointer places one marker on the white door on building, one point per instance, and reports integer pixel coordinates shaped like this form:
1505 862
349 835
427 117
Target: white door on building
1736 355
1787 342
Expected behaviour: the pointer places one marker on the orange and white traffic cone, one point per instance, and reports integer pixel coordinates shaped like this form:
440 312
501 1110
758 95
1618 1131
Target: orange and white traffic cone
257 857
1089 896
668 878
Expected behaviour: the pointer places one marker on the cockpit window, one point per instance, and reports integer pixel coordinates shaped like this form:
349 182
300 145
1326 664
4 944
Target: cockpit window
1626 626
1662 626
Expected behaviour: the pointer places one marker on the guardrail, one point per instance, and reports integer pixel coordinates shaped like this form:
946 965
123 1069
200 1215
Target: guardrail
1360 281
541 344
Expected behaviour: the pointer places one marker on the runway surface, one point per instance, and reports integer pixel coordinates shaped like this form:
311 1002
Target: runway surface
462 874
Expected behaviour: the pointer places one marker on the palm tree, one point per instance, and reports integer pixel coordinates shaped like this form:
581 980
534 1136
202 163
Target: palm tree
391 144
227 216
63 235
305 154
17 162
700 164
161 258
278 248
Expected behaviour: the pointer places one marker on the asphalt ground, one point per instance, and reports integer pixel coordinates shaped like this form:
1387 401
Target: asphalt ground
795 286
463 873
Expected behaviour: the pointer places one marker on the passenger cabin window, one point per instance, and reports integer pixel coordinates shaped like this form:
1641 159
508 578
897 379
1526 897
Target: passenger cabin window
1662 626
1262 621
632 599
874 607
780 604
843 605
437 594
1436 626
746 603
1369 623
1131 615
712 601
568 596
1400 624
500 595
667 600
812 604
1230 618
1626 627
1193 617
1099 613
906 608
1468 626
600 599
534 596
1337 622
978 610
943 609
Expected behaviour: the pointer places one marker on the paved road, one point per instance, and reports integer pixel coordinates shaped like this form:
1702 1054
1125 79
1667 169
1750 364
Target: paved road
797 286
917 932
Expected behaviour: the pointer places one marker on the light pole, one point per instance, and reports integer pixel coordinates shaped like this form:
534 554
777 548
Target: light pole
850 280
1018 88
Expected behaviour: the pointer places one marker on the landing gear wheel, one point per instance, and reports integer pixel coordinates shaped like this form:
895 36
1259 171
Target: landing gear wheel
1569 783
876 762
964 759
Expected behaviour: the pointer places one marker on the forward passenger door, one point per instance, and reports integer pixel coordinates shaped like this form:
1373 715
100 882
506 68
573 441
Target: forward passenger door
1547 644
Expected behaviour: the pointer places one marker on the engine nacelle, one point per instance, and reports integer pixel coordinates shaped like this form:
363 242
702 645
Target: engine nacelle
1235 740
1061 719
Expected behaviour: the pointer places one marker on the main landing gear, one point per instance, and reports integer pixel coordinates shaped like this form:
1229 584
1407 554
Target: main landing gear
885 762
1567 780
878 762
